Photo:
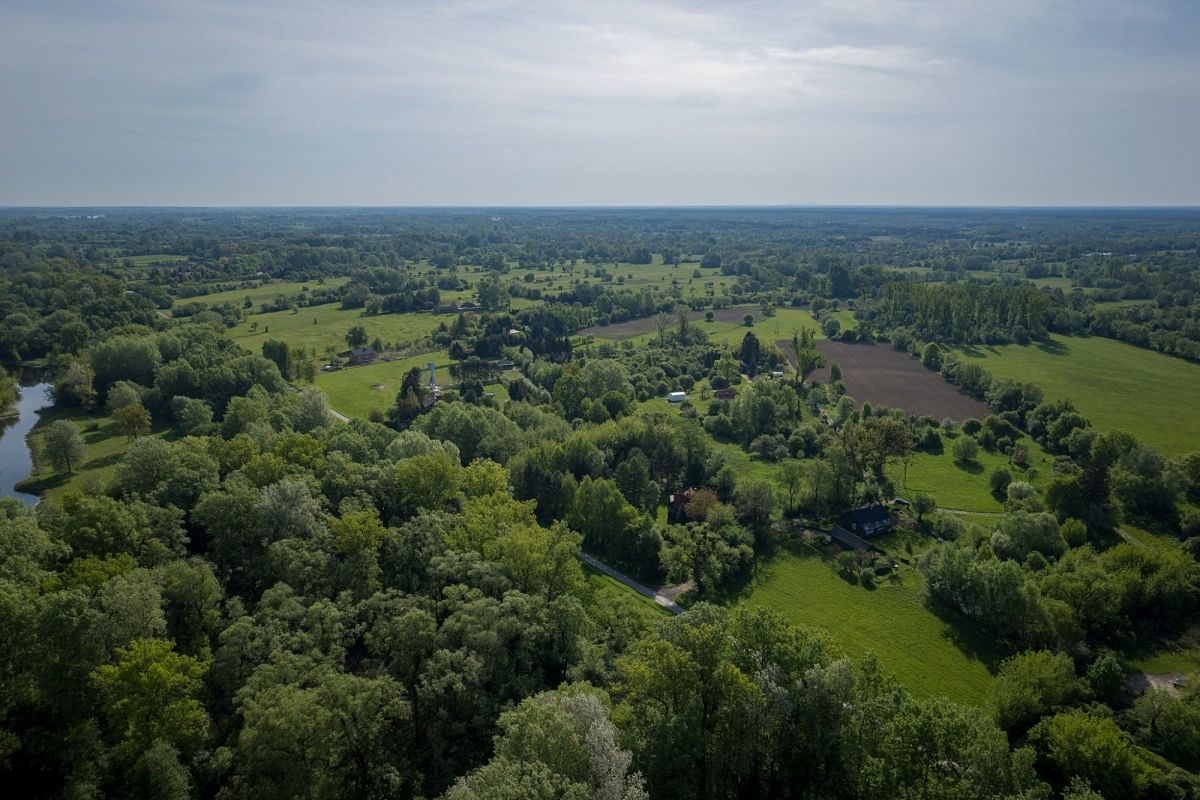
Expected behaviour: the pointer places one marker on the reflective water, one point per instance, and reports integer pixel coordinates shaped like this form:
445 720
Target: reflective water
15 460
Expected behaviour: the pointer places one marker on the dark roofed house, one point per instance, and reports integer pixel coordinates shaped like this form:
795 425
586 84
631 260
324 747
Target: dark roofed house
362 355
677 504
869 520
725 394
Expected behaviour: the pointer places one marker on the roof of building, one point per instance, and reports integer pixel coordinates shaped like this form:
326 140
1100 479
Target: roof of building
868 519
848 539
362 351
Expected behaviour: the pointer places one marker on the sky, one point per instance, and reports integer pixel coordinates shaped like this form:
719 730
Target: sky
503 102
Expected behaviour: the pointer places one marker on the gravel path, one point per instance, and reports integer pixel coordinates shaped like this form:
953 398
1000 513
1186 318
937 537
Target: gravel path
645 591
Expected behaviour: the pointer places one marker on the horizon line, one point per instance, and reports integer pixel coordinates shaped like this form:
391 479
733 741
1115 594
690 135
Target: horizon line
602 206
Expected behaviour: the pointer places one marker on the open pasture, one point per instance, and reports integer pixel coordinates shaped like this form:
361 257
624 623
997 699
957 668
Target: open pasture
320 327
891 620
1115 385
728 325
260 292
357 391
884 376
965 487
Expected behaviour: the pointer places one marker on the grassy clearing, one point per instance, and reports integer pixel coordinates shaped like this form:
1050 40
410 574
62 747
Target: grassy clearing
357 391
768 329
601 590
1185 660
260 292
148 261
105 445
1115 385
320 327
925 653
965 487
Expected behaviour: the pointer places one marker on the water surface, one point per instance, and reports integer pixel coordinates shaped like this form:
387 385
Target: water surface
16 463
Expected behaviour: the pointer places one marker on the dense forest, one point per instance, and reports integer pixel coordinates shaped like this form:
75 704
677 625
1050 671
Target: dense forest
261 598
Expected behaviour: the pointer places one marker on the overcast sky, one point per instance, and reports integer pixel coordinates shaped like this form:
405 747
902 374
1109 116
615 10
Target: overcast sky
480 102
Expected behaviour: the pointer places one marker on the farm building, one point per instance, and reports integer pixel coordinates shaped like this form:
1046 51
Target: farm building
360 355
868 520
725 394
676 397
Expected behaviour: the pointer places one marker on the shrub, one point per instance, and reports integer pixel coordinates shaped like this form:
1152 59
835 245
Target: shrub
966 449
999 480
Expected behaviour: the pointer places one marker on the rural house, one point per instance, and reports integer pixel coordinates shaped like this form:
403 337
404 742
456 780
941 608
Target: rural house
677 504
361 355
868 520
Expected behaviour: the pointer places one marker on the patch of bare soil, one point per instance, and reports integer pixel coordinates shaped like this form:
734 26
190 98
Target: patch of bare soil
884 376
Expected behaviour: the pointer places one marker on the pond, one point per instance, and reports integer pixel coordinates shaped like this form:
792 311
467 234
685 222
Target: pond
16 463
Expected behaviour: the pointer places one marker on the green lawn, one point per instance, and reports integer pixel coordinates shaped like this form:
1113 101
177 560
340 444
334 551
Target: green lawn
965 487
150 260
105 445
356 391
260 292
926 654
319 327
1115 385
601 590
1185 661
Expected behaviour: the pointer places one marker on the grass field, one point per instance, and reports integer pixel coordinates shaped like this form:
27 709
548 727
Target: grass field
601 590
150 260
260 292
353 392
319 327
1115 385
965 487
728 326
104 447
1185 660
926 654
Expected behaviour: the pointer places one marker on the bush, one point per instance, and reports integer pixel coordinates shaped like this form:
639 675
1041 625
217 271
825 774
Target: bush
999 481
966 449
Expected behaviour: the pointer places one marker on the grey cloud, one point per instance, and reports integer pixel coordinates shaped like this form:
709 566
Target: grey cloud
503 101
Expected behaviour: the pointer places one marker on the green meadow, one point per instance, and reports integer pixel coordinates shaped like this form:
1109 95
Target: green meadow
148 261
104 443
925 653
1115 385
964 487
260 292
357 391
321 327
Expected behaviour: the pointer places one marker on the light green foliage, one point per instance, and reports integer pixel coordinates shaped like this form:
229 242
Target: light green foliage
134 420
150 695
1032 685
63 445
1093 749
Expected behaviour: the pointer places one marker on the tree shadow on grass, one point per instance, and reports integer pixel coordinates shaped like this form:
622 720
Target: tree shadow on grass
970 467
970 641
979 351
743 584
1053 347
